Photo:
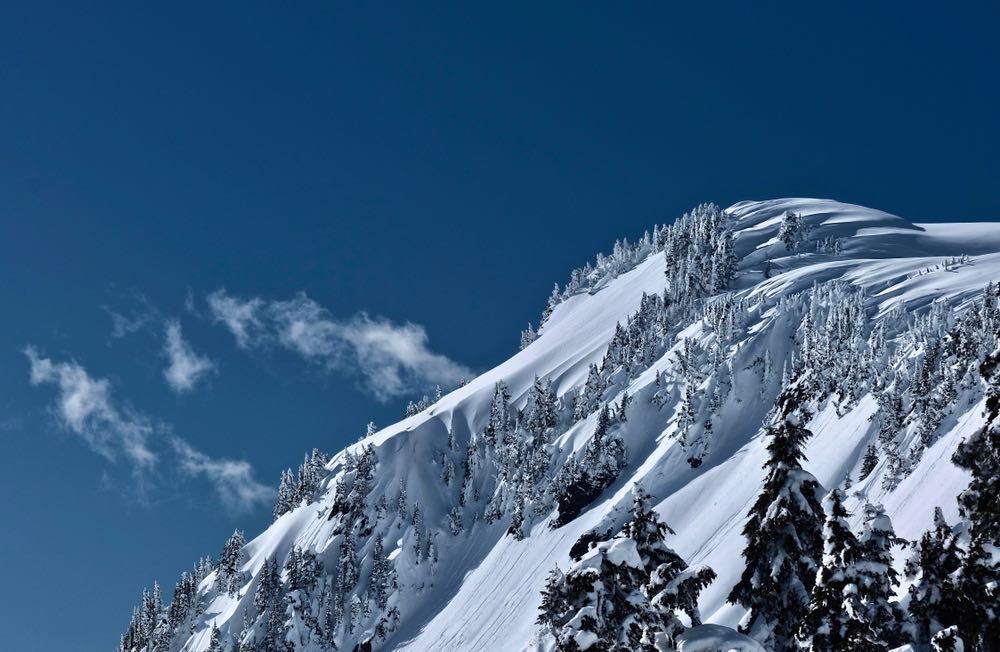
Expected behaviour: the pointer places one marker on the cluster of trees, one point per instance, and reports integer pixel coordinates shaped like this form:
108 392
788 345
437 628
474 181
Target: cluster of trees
293 489
916 398
154 625
811 583
416 407
508 463
623 257
580 481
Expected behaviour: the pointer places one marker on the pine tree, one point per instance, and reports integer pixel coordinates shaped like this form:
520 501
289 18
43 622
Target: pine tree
825 626
499 424
269 603
540 413
402 505
935 598
215 641
784 534
876 620
980 504
670 584
554 300
622 593
379 581
790 230
869 461
455 521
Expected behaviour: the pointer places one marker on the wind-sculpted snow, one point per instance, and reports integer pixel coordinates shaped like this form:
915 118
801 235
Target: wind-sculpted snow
689 403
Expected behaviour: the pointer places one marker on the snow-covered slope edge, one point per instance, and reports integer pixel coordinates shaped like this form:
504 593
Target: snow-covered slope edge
437 533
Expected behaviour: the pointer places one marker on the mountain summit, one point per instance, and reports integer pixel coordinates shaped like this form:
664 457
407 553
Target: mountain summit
702 417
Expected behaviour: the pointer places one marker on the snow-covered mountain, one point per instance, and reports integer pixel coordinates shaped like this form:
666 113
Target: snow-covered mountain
439 532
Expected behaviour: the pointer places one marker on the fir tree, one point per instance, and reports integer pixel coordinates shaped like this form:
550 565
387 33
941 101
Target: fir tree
215 640
784 533
980 504
825 626
554 300
875 619
790 230
935 599
622 594
869 461
670 584
379 581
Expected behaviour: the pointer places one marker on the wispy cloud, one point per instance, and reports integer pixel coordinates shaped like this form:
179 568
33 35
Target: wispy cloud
233 479
391 359
185 367
87 407
140 315
242 318
84 406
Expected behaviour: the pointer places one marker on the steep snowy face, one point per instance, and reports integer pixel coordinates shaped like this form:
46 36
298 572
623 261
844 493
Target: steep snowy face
658 365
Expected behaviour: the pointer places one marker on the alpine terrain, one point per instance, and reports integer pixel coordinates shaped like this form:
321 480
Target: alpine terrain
769 427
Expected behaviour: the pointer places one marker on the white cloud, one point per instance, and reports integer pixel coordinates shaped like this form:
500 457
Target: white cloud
233 479
303 326
185 367
395 359
240 317
85 406
391 359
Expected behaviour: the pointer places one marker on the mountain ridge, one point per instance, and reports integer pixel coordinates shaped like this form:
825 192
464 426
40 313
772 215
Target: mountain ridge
701 368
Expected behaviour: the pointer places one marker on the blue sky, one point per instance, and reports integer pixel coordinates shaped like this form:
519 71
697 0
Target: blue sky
233 233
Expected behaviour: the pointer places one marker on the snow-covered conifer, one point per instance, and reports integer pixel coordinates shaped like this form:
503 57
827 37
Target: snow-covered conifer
784 533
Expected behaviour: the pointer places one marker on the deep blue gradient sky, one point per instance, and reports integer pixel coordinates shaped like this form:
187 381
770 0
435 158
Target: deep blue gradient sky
440 164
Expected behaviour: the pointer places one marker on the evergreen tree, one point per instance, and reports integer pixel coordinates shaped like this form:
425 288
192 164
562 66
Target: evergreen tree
670 584
790 231
215 640
455 525
825 626
379 581
935 599
269 603
554 300
622 594
875 619
784 533
869 461
980 504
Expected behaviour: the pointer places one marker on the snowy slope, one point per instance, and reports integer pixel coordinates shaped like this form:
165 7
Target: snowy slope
483 592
